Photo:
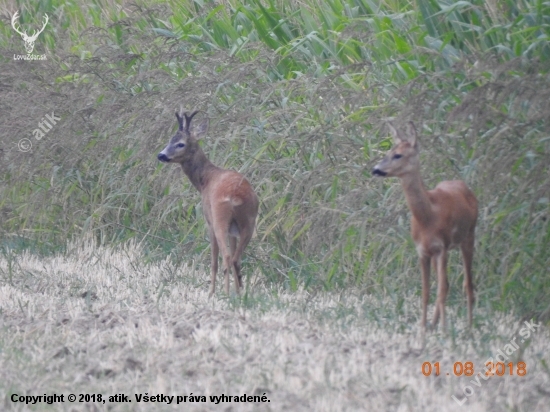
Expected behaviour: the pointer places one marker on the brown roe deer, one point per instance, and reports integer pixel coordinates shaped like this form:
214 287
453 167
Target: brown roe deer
442 219
229 203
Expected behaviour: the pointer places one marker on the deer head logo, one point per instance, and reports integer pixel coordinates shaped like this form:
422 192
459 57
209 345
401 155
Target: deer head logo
29 40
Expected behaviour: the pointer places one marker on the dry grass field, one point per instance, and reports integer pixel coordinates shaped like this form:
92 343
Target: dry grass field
99 321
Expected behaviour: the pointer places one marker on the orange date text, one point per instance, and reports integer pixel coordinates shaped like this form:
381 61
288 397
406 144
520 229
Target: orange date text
467 369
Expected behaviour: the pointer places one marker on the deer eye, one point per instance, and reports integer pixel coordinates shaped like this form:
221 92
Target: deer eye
180 145
397 156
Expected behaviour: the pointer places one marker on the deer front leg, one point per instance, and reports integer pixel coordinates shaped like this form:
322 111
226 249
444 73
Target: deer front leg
214 264
442 289
425 266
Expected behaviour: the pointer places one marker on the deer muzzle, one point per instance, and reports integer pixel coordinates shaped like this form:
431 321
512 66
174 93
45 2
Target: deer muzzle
163 158
378 172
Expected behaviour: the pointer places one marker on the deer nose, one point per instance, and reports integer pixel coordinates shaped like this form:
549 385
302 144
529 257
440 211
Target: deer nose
162 157
378 172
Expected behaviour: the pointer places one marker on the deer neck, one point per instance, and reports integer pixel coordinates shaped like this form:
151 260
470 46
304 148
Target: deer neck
417 197
197 167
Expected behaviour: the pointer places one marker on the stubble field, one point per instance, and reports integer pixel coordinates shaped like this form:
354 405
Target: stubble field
98 321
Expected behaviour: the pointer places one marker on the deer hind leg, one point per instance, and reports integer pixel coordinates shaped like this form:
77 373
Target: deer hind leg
425 266
221 236
236 269
214 263
442 289
246 235
467 248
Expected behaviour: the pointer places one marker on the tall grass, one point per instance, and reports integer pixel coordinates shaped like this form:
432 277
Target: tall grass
298 94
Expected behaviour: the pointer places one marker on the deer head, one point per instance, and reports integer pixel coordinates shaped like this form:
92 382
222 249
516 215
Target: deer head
29 40
402 159
185 142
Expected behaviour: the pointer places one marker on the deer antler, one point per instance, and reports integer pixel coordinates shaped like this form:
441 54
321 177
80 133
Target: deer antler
180 120
34 36
188 119
13 19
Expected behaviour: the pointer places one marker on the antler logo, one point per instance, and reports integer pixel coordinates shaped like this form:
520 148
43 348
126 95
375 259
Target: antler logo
29 40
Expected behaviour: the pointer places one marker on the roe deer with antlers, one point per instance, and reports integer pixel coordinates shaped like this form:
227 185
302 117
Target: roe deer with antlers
229 203
442 219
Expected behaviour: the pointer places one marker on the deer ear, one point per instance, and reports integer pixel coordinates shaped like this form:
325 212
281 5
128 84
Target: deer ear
200 129
411 134
394 133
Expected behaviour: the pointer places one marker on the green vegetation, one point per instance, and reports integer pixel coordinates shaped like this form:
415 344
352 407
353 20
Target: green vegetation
298 94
